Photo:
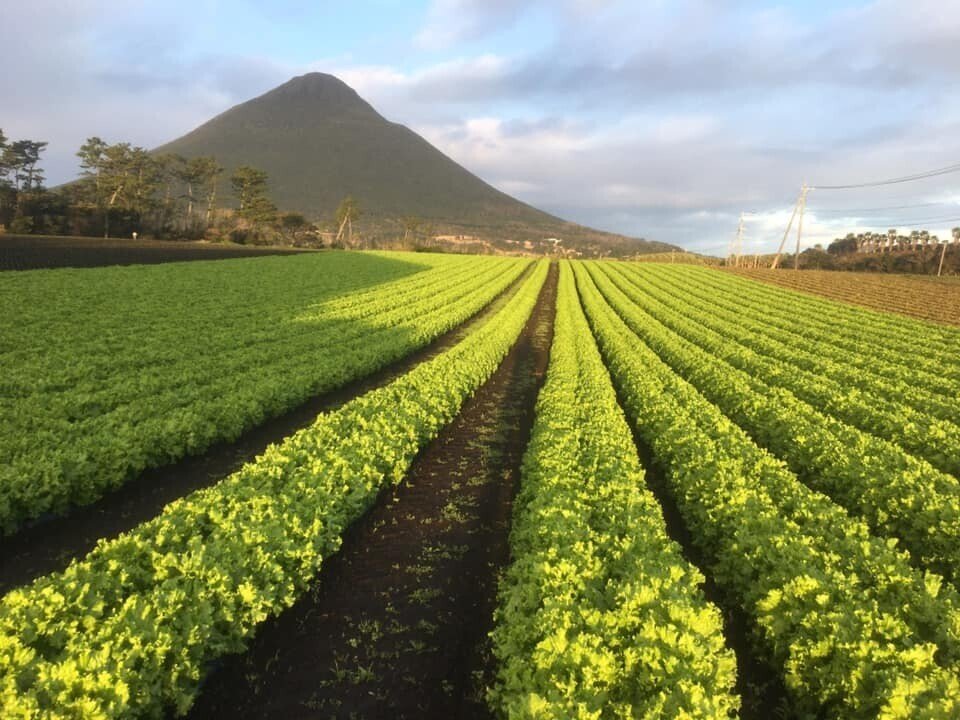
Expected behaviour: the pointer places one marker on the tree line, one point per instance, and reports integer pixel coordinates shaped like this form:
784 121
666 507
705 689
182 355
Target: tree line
125 189
920 252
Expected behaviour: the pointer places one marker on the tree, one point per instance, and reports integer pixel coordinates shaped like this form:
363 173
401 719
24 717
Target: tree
411 224
20 159
250 186
93 161
293 225
167 166
116 172
147 176
200 174
91 168
33 173
22 176
6 188
845 246
3 159
247 182
119 176
348 211
817 258
186 175
209 172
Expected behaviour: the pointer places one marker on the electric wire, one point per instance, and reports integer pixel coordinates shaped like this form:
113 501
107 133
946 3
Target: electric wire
854 211
892 181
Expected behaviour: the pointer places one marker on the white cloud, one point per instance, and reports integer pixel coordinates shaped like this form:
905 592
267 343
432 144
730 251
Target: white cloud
450 22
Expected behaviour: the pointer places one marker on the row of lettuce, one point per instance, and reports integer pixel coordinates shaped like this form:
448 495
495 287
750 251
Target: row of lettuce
856 629
898 494
588 624
911 411
146 387
881 343
898 331
129 630
599 613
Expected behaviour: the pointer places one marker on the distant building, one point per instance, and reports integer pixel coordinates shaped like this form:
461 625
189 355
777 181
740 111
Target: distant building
456 238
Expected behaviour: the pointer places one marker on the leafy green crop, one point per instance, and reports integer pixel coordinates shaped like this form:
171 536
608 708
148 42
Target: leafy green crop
129 630
897 494
110 371
901 410
856 631
879 341
877 365
600 616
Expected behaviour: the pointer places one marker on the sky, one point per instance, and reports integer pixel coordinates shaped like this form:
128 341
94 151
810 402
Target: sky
662 119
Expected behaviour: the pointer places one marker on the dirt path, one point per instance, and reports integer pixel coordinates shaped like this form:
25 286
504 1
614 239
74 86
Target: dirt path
396 624
50 545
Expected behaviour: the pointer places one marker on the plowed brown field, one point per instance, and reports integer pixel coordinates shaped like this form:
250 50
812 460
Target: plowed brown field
919 296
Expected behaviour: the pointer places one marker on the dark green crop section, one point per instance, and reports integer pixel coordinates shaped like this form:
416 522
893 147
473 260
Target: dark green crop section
107 372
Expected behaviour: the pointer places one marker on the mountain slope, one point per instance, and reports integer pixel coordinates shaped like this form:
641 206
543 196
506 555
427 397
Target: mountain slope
319 141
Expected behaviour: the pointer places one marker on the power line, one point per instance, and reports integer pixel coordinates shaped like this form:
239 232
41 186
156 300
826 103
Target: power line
883 220
920 224
941 218
893 181
851 211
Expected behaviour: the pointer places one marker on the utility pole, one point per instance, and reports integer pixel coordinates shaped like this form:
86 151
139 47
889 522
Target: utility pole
739 245
943 254
803 206
786 233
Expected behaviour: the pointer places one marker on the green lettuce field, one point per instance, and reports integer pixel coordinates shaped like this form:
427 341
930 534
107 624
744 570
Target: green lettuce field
681 493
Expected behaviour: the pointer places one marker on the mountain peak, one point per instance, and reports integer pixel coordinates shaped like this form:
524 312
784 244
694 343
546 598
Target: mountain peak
315 81
319 141
317 92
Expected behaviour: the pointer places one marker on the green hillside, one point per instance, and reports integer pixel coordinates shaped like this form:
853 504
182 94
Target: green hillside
319 141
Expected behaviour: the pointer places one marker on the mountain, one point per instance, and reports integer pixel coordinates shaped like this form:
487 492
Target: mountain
319 141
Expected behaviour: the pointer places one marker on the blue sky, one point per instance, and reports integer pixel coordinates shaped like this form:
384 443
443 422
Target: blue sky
657 119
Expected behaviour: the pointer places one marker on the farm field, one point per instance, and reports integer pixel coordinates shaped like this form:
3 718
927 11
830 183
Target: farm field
494 487
32 252
198 354
920 296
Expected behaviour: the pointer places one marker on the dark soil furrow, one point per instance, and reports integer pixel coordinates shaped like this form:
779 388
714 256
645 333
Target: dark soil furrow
31 252
50 544
396 624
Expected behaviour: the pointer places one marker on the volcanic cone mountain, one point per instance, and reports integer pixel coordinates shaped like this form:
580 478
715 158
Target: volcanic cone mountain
319 141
